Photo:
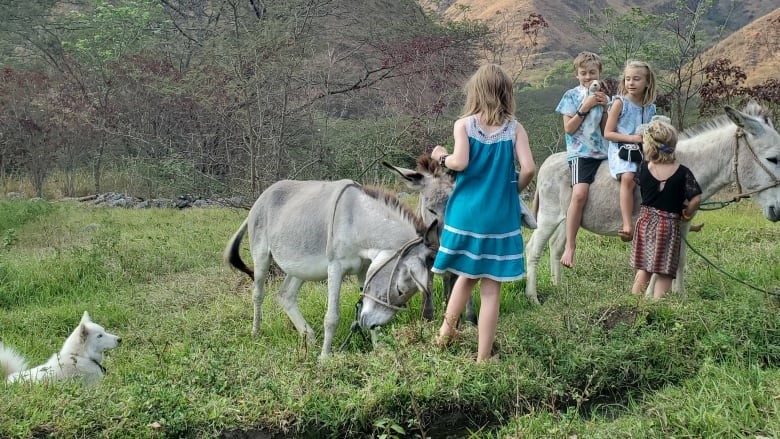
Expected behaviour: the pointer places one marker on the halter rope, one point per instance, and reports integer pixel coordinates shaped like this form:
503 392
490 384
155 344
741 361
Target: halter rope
726 273
355 327
740 134
397 258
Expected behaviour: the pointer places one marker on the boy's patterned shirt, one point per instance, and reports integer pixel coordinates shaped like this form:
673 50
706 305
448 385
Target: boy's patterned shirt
587 141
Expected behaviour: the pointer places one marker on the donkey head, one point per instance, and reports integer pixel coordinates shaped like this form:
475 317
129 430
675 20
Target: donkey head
433 184
759 157
393 279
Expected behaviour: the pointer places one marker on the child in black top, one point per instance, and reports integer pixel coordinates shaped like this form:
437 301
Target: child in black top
670 194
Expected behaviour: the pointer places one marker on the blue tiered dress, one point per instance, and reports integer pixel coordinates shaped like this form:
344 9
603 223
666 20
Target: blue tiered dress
481 236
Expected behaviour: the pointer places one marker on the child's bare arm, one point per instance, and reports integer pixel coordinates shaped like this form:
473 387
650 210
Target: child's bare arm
459 159
691 208
572 123
524 157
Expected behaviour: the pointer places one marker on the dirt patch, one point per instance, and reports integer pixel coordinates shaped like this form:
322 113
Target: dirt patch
611 316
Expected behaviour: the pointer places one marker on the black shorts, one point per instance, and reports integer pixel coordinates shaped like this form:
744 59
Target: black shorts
583 169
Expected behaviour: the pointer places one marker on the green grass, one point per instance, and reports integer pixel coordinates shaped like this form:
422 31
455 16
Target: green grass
592 361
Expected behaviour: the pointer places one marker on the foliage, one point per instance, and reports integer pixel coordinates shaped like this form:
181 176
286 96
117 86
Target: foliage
676 48
723 85
218 96
14 214
497 48
623 36
242 97
107 32
673 42
592 361
535 107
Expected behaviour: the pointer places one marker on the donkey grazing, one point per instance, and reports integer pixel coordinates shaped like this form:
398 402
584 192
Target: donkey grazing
739 147
318 230
434 186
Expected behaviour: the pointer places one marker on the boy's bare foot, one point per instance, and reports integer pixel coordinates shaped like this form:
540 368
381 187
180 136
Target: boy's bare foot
567 260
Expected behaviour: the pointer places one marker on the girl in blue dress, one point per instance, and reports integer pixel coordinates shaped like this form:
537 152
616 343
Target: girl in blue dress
632 107
481 241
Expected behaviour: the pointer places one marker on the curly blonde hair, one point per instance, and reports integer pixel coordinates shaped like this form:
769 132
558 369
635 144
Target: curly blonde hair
489 92
660 142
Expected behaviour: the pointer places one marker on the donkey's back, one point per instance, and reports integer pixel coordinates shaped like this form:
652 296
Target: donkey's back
291 222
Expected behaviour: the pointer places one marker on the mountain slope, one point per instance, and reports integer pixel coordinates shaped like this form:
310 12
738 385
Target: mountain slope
754 48
563 39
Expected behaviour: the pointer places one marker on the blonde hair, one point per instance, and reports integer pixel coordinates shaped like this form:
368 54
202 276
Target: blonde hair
585 58
660 142
650 92
489 93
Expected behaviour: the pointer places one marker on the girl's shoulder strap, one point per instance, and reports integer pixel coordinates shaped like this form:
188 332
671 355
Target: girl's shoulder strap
472 125
622 100
616 99
511 126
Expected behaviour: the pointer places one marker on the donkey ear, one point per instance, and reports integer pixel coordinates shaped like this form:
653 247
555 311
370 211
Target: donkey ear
85 317
742 120
413 179
431 237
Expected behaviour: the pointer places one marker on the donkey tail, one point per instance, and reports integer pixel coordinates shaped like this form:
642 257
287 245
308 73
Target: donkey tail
10 362
232 256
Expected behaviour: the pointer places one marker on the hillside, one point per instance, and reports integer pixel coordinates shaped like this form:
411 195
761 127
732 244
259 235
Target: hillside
754 48
563 39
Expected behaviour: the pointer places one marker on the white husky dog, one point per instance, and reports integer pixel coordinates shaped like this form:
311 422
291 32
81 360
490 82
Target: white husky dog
79 358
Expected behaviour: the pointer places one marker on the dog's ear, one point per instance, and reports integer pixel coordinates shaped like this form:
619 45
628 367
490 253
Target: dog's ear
83 332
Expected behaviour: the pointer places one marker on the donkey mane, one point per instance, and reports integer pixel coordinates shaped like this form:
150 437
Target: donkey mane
751 109
712 124
392 200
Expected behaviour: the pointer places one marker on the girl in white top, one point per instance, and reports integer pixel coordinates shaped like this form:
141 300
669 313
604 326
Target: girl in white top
632 107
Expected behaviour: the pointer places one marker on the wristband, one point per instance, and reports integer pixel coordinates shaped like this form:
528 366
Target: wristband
442 159
581 114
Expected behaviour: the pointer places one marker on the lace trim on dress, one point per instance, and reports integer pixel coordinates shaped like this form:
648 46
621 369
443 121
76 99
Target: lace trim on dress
505 132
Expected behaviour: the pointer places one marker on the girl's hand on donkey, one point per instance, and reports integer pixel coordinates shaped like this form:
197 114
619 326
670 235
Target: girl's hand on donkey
438 151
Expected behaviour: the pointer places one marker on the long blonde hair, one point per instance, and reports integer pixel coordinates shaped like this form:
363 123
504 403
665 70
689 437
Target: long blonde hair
489 93
650 92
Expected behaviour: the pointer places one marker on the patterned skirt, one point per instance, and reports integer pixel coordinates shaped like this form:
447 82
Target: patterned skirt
656 243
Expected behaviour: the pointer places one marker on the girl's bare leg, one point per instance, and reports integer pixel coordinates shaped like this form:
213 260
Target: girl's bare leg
641 280
489 293
461 293
662 285
627 205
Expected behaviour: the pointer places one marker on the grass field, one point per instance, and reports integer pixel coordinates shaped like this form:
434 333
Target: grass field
592 361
